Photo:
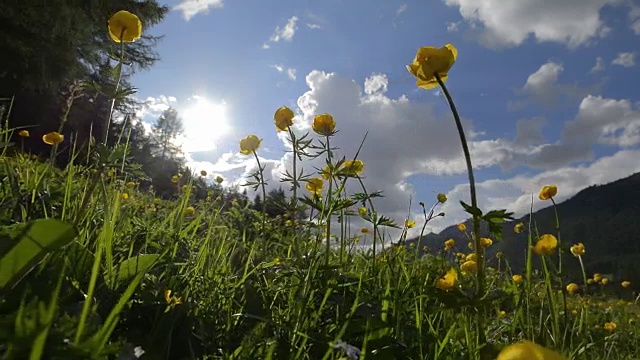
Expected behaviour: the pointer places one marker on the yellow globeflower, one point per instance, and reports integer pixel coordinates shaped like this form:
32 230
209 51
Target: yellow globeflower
53 138
469 267
124 196
462 227
449 244
590 281
362 211
219 179
410 224
610 326
203 173
175 179
517 279
573 287
625 284
315 185
597 277
527 350
283 118
130 184
324 124
430 60
471 257
604 281
352 168
442 198
250 144
577 249
485 242
548 192
364 230
327 172
125 27
546 245
518 228
23 133
447 282
189 210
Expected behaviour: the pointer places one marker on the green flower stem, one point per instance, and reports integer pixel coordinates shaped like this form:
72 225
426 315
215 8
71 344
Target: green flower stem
562 287
329 205
294 144
474 203
264 194
113 101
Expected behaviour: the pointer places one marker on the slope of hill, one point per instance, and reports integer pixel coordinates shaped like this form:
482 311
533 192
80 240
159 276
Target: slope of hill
605 218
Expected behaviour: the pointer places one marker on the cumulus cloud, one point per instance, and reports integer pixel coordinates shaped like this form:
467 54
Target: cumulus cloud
626 59
571 22
191 8
453 26
285 33
542 88
402 9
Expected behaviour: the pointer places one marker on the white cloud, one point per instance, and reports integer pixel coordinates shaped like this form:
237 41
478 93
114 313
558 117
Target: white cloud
634 17
314 26
285 33
191 8
453 26
377 83
599 66
571 22
626 59
402 9
542 88
514 194
291 73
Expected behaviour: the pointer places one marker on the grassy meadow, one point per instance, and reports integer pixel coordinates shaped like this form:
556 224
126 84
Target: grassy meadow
95 264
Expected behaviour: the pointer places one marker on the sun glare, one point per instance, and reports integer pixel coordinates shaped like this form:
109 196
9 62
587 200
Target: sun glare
204 123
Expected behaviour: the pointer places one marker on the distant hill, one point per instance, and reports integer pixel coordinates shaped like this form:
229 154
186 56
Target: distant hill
605 218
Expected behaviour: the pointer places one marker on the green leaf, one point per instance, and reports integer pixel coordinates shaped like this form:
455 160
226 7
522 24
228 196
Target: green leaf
131 267
497 216
471 210
38 239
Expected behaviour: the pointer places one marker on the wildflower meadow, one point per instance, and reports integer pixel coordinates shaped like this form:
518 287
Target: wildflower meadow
94 264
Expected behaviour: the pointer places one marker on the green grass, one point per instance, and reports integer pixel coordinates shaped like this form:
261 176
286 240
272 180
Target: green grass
244 286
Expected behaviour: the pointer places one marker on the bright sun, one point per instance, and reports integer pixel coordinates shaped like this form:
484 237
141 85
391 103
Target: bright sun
204 123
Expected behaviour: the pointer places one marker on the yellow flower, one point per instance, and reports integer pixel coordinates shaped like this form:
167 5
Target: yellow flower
604 281
471 257
327 172
175 179
577 249
546 245
410 224
449 244
590 281
442 198
203 173
130 184
324 124
189 210
597 277
548 192
53 138
283 118
315 185
485 242
518 228
517 279
573 287
462 227
362 211
167 296
124 196
501 314
125 27
171 300
352 167
469 266
429 61
219 179
364 230
499 255
447 282
250 144
23 133
527 350
625 284
610 326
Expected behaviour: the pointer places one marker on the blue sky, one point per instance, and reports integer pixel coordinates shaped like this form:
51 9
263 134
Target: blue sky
552 100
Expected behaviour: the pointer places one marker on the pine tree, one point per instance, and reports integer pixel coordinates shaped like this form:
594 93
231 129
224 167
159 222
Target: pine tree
165 132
